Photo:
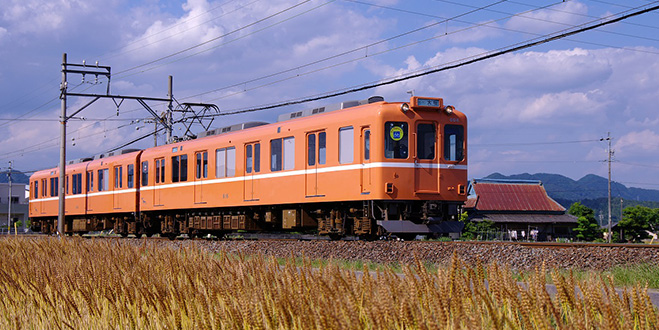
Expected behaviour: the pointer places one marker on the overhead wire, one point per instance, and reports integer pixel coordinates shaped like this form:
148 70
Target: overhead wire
213 39
469 60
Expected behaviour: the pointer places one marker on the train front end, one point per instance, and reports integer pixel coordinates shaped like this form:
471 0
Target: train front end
420 158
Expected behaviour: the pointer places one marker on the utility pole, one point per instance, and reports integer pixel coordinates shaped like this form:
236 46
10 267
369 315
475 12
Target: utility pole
105 71
9 211
62 152
170 108
610 153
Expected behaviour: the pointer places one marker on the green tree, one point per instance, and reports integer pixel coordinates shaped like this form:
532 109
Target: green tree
636 221
475 229
587 227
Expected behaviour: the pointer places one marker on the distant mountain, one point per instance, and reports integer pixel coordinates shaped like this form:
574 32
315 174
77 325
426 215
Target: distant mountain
591 191
589 187
16 177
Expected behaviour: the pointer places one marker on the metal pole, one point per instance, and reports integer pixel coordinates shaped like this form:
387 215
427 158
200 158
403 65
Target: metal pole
9 211
62 152
170 110
609 139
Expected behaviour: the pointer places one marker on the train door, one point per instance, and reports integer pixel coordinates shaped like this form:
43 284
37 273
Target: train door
366 160
160 180
201 173
426 165
316 155
252 167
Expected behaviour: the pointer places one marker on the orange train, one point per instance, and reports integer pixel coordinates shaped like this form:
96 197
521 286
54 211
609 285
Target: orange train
363 168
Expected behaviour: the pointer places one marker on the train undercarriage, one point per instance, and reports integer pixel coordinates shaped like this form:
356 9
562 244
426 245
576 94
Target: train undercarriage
365 219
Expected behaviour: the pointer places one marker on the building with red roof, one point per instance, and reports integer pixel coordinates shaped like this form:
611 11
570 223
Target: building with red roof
521 209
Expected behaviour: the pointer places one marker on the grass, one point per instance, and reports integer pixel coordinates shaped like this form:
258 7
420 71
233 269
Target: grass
108 284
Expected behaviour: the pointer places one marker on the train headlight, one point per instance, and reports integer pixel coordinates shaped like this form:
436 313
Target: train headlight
449 109
405 107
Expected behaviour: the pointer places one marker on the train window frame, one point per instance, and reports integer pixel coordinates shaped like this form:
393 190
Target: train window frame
249 158
160 170
90 180
54 184
201 164
180 168
396 141
103 179
35 191
346 145
44 187
322 148
282 154
130 176
367 144
66 185
311 149
76 183
144 169
257 157
225 162
426 144
454 143
118 177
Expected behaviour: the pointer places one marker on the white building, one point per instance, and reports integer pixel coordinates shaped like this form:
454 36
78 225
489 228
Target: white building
19 204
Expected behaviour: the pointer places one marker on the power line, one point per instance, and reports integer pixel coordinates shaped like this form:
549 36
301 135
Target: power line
501 51
213 39
529 143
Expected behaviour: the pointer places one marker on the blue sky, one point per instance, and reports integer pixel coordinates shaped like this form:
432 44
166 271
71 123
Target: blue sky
542 109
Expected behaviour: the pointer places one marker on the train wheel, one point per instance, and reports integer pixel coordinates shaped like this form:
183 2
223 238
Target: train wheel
171 236
138 235
406 236
124 235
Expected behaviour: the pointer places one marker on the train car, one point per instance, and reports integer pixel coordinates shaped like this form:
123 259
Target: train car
364 168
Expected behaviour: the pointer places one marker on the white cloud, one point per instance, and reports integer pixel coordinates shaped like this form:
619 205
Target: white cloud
562 16
635 143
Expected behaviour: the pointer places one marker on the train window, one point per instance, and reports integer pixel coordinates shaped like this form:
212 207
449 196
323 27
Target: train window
322 150
276 153
257 157
35 191
453 142
76 183
346 145
90 180
282 154
103 179
66 185
160 170
145 173
367 144
311 149
425 144
201 169
231 162
44 188
248 158
130 175
289 153
54 184
118 177
225 162
179 168
395 140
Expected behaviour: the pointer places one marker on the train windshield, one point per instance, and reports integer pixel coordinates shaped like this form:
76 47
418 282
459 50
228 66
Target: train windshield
395 140
453 142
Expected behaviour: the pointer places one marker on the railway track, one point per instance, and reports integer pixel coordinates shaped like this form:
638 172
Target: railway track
310 237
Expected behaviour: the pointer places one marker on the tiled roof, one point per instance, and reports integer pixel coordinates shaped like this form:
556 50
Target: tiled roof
527 218
512 197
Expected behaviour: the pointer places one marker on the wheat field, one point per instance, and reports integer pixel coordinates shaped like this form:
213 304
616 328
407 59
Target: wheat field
73 283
